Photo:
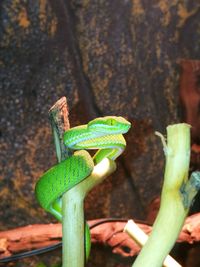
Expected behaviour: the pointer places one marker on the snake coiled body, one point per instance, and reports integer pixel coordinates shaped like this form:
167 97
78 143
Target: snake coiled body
101 134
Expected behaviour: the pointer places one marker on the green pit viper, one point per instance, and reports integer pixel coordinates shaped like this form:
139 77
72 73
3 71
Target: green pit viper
102 134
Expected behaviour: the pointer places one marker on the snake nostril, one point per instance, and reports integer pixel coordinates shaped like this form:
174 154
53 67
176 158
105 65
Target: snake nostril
126 249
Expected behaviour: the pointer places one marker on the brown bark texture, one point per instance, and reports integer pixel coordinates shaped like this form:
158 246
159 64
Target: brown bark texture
108 233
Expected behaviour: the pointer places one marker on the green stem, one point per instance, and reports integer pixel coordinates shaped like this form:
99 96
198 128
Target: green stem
73 214
73 249
174 206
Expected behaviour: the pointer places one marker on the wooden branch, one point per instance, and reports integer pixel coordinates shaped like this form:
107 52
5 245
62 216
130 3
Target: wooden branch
110 233
59 120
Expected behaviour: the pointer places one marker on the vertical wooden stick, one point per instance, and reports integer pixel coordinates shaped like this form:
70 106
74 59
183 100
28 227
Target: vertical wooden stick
58 115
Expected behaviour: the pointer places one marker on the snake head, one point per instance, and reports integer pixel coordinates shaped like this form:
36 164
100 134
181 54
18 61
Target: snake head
112 124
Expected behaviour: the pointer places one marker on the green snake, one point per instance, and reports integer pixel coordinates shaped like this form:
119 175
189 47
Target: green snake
102 134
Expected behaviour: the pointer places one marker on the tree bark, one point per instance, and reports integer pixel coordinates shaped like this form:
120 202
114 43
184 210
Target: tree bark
110 233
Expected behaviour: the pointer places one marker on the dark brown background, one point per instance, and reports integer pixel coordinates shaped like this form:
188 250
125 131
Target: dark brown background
108 58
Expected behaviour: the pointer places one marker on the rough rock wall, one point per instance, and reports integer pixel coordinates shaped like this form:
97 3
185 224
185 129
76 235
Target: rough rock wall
107 57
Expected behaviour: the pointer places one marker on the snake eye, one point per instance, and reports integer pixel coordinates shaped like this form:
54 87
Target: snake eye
111 121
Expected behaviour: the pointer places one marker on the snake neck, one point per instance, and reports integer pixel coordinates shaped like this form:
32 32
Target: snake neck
76 135
108 145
